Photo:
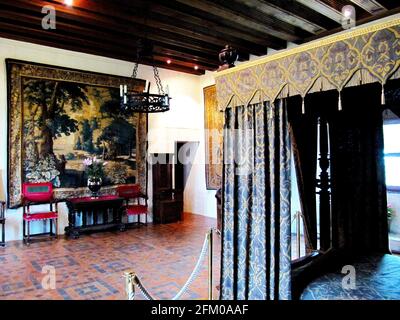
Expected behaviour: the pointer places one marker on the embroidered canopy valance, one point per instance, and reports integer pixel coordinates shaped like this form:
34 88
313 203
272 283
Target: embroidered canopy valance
364 55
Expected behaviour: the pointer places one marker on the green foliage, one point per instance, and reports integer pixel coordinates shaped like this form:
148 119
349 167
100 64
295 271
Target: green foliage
112 107
78 145
46 100
45 170
94 167
70 156
94 124
121 135
116 172
87 137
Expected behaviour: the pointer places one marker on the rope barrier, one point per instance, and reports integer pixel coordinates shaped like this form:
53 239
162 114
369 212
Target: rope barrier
132 279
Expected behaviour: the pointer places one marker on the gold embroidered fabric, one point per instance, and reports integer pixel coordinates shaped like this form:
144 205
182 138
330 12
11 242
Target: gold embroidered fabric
366 55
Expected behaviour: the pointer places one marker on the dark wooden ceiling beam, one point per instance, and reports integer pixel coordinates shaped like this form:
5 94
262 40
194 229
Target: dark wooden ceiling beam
127 43
371 6
323 8
298 9
281 29
246 17
153 24
337 5
389 4
117 29
168 10
359 23
209 16
167 18
21 32
283 15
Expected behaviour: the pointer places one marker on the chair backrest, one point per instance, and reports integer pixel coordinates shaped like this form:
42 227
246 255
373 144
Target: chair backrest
37 192
131 191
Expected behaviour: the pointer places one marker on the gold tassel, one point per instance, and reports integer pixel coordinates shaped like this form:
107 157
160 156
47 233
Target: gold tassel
340 107
303 106
383 98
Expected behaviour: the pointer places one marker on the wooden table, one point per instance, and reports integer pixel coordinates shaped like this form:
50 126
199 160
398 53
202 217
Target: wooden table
91 210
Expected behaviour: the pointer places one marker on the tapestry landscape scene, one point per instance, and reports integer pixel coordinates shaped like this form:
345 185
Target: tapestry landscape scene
67 122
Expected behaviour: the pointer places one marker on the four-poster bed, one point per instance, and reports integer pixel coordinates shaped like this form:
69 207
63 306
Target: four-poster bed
329 96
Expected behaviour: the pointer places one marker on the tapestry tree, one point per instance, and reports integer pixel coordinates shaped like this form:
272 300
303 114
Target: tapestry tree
46 101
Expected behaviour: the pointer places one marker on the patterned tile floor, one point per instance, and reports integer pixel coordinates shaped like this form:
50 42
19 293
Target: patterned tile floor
92 266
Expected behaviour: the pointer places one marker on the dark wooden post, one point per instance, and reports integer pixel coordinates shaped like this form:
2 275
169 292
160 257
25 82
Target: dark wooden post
324 185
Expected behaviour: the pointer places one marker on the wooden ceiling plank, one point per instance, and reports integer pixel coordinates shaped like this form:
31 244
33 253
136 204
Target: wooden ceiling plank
369 19
323 8
171 14
92 20
242 18
237 29
96 35
371 6
170 29
282 15
284 30
304 12
135 21
21 33
389 4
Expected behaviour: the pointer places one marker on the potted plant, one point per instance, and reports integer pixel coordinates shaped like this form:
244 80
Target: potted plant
94 169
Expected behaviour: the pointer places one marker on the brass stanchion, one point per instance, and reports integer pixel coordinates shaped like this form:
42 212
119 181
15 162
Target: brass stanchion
210 265
130 284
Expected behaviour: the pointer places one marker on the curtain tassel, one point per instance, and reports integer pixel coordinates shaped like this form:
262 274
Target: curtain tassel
340 107
303 106
383 98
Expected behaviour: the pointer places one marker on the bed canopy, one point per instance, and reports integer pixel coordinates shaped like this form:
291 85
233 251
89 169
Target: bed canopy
365 55
264 122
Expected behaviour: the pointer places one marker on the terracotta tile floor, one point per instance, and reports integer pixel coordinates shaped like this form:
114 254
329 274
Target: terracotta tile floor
92 266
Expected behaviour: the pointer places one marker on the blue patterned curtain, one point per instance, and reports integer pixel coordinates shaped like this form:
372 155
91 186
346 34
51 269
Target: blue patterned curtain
256 206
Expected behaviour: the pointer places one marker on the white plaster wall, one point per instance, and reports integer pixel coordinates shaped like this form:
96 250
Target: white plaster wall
184 122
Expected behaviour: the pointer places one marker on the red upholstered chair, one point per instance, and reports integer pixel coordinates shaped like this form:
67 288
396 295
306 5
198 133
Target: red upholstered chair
133 204
34 194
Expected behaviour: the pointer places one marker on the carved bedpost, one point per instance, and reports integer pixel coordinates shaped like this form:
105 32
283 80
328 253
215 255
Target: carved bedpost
324 185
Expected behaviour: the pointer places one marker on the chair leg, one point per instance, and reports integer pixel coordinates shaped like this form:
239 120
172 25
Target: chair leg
29 233
51 227
23 231
56 228
146 218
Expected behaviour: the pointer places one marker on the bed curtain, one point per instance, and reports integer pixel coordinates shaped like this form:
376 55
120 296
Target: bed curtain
256 209
359 204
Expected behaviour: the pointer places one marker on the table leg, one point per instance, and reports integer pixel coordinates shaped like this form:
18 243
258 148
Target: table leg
117 214
3 235
84 218
105 216
72 232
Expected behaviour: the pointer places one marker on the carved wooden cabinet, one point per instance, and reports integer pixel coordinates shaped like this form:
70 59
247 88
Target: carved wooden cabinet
167 201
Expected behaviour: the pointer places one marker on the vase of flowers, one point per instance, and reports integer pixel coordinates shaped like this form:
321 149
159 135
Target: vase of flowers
94 169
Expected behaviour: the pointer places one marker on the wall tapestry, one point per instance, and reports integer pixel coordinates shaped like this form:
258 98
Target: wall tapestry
214 125
57 117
